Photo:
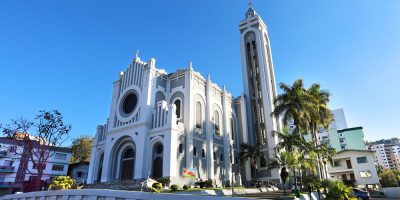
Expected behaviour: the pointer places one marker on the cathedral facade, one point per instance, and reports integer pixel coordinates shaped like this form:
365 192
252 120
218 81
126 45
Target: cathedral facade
161 125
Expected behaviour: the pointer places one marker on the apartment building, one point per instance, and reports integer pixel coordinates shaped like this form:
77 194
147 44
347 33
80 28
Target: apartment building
18 174
386 155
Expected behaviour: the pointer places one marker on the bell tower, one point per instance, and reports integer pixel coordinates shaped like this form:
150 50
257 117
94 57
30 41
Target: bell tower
259 88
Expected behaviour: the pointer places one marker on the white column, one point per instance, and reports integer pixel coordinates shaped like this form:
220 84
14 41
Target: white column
140 142
209 132
226 137
189 106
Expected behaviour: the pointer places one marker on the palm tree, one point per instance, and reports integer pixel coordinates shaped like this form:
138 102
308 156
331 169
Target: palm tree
289 142
293 104
293 143
252 154
320 116
283 160
326 156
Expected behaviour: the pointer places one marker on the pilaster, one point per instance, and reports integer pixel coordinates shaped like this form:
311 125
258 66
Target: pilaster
209 132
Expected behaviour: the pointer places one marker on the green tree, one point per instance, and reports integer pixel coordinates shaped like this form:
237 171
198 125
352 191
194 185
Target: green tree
282 160
293 104
379 169
37 140
61 183
292 143
325 155
81 148
251 154
388 179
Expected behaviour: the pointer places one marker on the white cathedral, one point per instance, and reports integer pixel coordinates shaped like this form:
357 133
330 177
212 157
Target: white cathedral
161 124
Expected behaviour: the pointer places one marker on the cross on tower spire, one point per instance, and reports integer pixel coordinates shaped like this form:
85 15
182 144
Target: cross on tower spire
250 3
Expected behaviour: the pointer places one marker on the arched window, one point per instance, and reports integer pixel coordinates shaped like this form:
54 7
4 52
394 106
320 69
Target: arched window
203 153
232 129
199 117
180 148
221 157
216 122
214 155
194 151
178 108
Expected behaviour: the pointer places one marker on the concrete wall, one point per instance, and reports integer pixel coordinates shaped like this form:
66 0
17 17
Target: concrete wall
104 195
392 192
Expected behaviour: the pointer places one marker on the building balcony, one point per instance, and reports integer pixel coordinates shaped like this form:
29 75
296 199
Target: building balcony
6 169
5 185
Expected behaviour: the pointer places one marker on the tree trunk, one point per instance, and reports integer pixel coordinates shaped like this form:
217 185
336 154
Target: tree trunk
295 178
284 188
38 182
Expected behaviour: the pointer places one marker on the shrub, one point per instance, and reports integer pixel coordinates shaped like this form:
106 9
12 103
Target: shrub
61 183
164 181
156 187
174 187
337 190
185 187
209 183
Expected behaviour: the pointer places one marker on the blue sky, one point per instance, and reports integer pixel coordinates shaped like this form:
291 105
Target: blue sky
65 54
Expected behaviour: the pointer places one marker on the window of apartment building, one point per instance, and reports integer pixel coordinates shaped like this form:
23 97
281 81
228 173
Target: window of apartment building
33 178
362 160
35 166
365 174
80 174
348 163
8 162
341 140
58 168
60 156
342 146
336 163
2 178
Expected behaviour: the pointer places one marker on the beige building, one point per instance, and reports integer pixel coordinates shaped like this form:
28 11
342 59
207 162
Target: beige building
356 167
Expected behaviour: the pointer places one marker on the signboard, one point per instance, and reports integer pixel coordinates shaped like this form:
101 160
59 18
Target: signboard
189 173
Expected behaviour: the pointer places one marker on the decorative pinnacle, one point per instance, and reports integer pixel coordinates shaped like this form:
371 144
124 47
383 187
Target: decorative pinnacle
209 77
190 65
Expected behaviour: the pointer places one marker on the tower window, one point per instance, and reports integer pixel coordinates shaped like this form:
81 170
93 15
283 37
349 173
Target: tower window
216 121
232 129
221 157
214 155
203 153
178 108
180 148
199 119
194 151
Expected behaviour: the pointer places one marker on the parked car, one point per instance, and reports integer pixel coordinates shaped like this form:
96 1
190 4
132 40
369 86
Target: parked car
361 194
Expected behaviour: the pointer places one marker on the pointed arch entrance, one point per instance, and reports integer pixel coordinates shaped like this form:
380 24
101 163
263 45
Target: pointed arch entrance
157 161
127 164
122 166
